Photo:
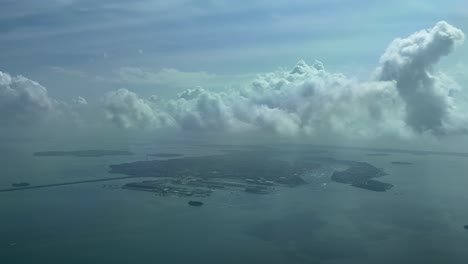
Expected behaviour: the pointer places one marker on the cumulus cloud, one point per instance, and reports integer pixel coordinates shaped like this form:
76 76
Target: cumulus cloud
409 62
405 98
23 101
308 100
127 110
79 101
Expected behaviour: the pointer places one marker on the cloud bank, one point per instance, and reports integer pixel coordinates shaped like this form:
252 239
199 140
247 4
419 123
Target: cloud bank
127 110
429 99
23 101
26 103
404 98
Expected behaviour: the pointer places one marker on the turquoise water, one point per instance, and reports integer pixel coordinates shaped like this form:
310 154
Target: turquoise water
419 221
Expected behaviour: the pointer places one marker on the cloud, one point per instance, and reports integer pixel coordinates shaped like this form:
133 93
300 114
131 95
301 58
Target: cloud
127 110
79 101
308 100
172 80
191 94
169 82
23 101
460 72
406 98
26 107
409 62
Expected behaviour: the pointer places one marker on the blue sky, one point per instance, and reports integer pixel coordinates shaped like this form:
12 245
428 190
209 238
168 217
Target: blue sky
228 38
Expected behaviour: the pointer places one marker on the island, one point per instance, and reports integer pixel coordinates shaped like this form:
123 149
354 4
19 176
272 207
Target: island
254 172
83 153
165 155
20 184
401 163
360 175
195 203
373 185
171 187
244 167
249 172
466 227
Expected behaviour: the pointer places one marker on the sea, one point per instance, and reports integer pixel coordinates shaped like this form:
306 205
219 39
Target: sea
420 220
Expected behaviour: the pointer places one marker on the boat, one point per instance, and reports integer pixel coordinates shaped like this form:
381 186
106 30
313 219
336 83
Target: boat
195 203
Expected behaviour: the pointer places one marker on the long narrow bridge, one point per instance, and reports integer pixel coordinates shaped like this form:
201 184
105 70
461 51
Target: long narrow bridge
63 183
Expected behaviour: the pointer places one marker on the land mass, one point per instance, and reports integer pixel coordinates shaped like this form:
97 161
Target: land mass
20 184
378 154
252 172
361 175
82 153
401 163
256 172
246 167
165 155
195 203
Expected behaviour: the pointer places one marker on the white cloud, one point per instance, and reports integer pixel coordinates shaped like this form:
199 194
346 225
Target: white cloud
409 62
407 98
23 101
127 110
460 73
173 80
307 100
79 101
25 105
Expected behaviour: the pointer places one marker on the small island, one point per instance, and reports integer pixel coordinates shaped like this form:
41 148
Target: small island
83 153
401 163
373 185
195 203
20 184
466 227
361 175
378 154
165 155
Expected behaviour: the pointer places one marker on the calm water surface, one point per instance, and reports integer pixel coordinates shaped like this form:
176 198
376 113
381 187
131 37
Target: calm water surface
419 221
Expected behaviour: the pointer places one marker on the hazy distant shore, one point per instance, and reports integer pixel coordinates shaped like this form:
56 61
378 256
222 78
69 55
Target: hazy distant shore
82 153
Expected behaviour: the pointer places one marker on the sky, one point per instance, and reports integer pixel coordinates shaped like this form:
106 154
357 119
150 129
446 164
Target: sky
296 68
